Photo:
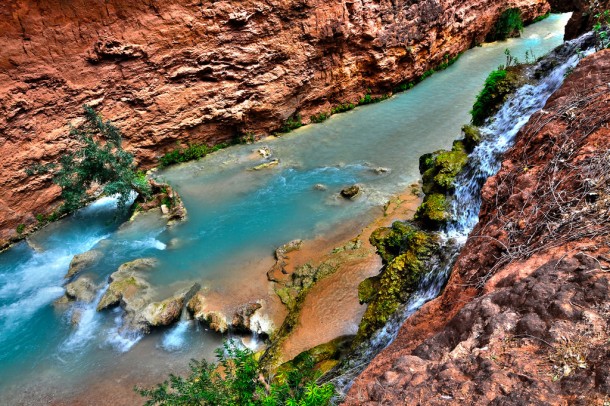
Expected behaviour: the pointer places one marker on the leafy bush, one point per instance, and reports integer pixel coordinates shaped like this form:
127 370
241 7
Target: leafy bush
368 99
342 108
100 160
20 228
319 118
292 123
510 24
237 379
190 153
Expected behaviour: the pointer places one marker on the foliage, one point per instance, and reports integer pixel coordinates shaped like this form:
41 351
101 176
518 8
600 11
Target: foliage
368 99
190 153
497 86
319 118
20 228
237 379
509 24
600 29
100 160
341 108
403 87
292 123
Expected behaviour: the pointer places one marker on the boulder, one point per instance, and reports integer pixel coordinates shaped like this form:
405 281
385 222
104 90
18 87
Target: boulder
350 192
163 313
82 261
126 285
82 289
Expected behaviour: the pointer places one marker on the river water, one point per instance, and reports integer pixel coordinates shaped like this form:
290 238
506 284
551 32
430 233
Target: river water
236 218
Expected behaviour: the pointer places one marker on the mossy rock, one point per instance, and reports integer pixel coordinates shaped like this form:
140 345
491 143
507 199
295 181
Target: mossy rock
433 211
390 241
367 289
441 168
472 137
405 266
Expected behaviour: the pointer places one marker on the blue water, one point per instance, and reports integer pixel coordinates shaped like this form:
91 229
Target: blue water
237 217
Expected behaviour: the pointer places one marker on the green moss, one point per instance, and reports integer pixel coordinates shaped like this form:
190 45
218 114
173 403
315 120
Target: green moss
404 250
367 289
472 137
433 211
498 86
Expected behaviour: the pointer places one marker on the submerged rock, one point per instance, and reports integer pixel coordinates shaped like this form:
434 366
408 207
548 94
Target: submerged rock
82 261
266 165
320 187
350 192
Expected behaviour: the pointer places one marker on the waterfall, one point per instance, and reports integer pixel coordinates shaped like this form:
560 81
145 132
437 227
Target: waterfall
497 137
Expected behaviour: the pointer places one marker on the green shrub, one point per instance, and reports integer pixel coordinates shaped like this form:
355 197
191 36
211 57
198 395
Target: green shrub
498 85
238 379
341 108
292 123
319 118
510 24
190 153
99 160
368 99
600 30
20 228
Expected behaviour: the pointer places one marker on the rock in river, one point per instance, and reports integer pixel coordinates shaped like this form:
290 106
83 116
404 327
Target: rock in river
350 192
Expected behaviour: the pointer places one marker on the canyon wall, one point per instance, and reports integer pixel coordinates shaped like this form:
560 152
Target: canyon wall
192 71
524 318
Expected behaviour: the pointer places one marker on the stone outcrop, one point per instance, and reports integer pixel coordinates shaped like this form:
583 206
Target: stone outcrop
81 262
524 315
171 71
239 320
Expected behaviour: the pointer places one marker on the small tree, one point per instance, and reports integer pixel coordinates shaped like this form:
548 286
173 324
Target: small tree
100 160
238 380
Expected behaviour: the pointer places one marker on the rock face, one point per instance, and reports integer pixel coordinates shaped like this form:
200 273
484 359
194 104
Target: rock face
168 71
525 313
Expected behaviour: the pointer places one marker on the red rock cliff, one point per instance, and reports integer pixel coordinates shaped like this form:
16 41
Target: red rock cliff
186 70
525 317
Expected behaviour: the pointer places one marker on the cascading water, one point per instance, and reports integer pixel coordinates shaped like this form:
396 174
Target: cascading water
497 137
